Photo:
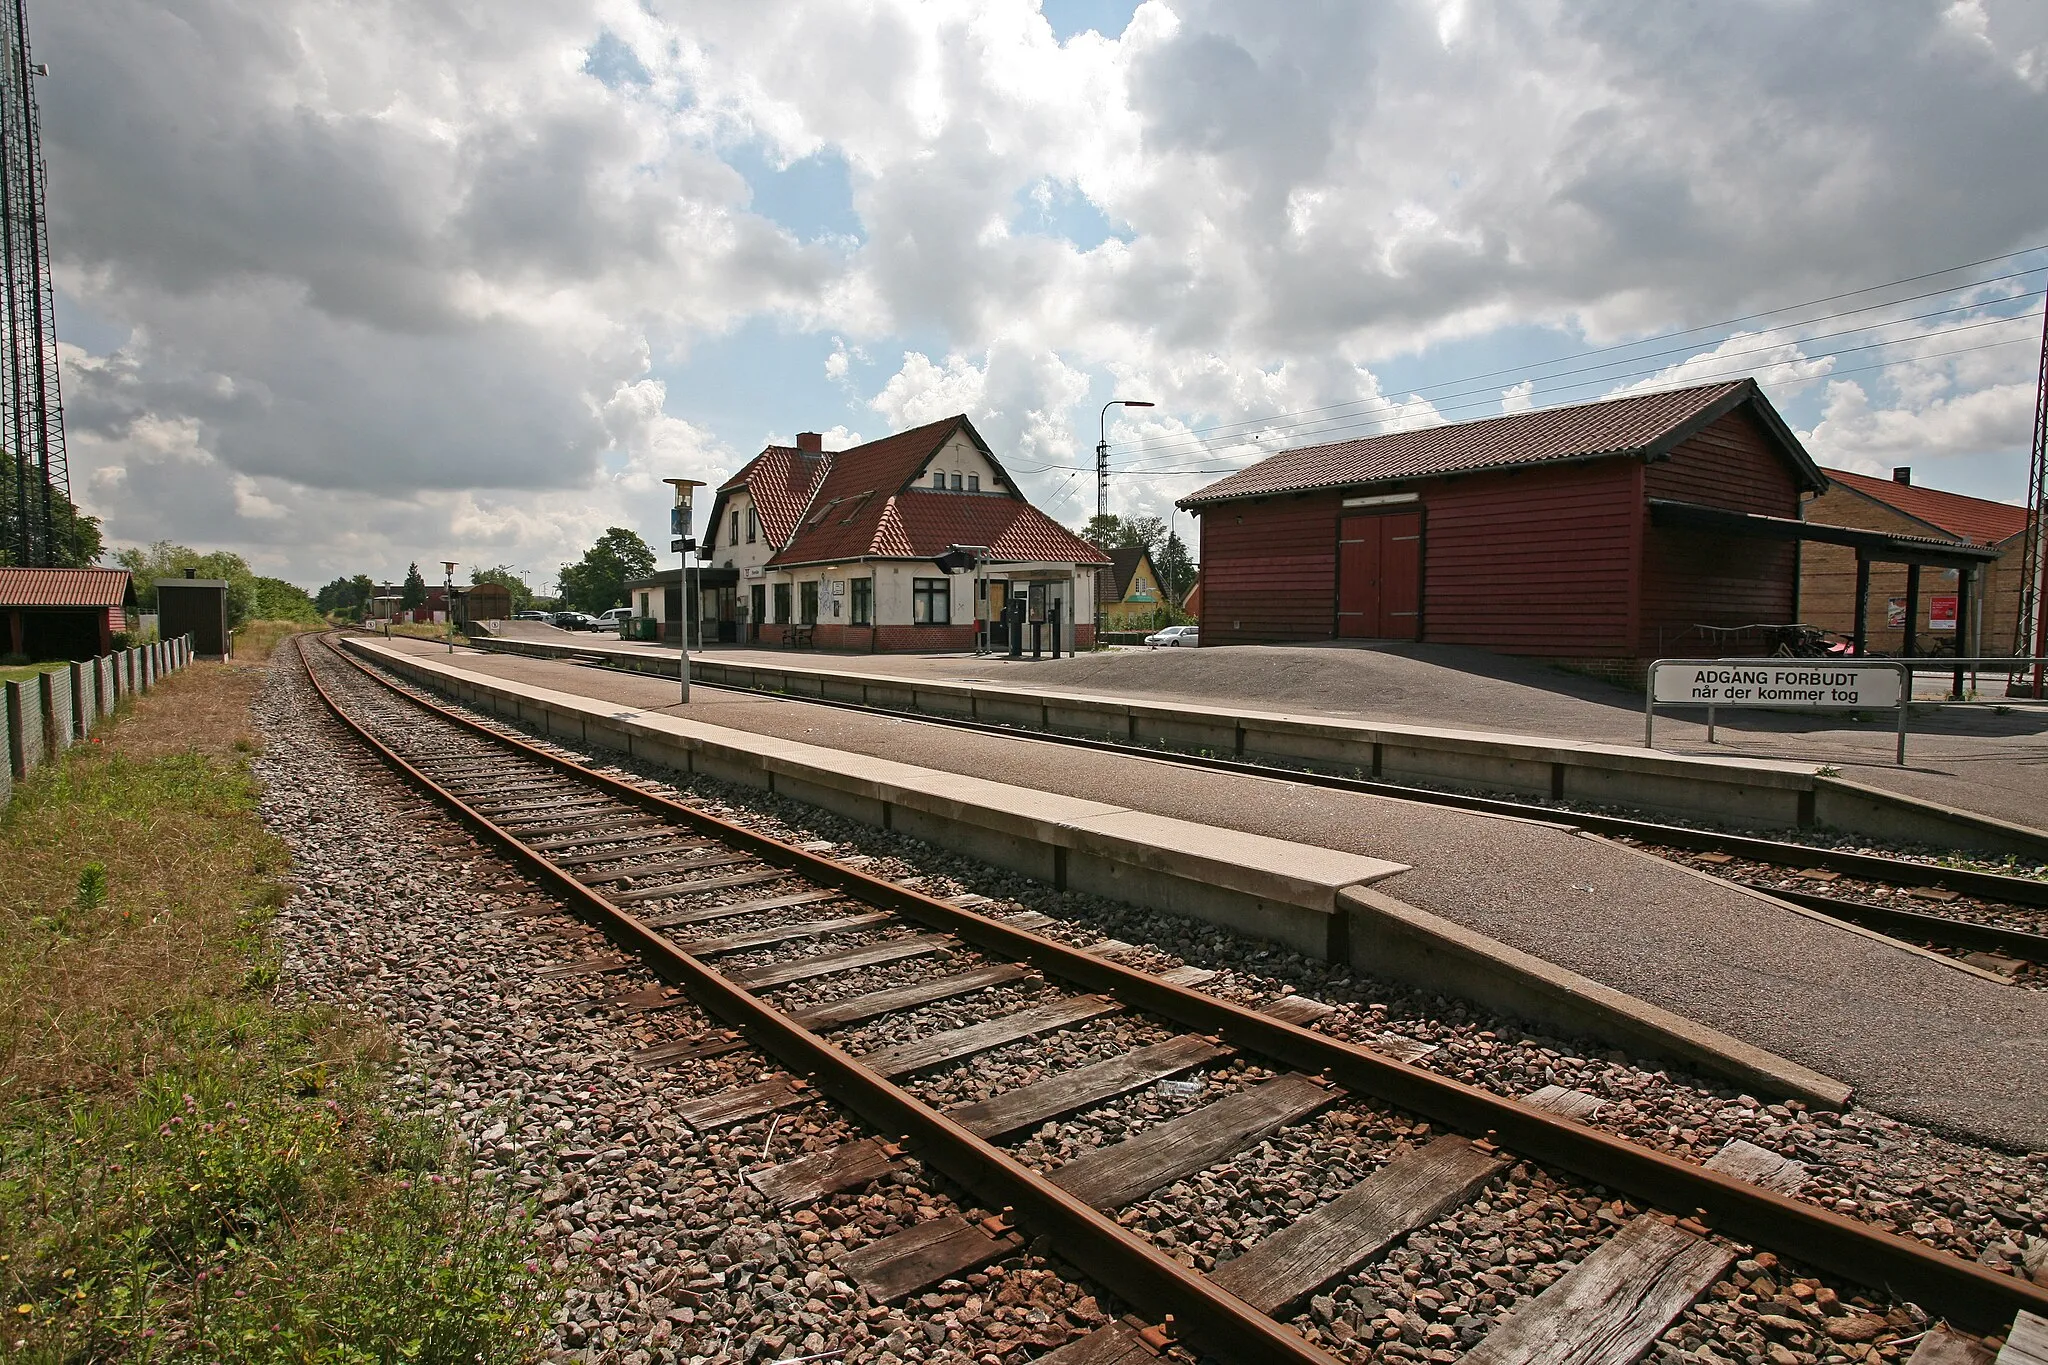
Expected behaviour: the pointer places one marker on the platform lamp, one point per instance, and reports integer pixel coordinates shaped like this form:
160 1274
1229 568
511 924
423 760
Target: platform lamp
683 543
959 559
448 598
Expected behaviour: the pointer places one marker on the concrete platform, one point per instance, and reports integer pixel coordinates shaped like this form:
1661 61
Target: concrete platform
1920 1036
1745 792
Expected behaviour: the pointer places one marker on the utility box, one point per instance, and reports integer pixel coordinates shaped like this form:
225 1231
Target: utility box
197 607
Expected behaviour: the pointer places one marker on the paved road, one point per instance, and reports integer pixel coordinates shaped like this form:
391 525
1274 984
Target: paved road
1917 1037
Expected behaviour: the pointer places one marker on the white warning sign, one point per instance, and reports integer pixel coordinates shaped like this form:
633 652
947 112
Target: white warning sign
1794 684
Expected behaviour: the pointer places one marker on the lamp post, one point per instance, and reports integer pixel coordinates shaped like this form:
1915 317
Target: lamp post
448 598
1102 450
683 543
962 557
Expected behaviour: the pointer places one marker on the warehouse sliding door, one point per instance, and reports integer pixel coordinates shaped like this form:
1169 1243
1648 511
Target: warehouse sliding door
1379 576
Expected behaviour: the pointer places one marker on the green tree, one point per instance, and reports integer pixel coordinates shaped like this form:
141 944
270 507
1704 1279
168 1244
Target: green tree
346 597
413 595
277 600
598 581
505 577
75 537
1106 532
167 559
1176 567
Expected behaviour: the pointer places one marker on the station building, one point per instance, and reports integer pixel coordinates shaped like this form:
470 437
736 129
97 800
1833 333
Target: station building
835 549
1599 535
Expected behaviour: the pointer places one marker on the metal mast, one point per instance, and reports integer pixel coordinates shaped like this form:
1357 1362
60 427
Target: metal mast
31 407
2029 630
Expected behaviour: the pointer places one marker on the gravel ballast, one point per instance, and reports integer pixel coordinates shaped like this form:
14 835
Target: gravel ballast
672 1257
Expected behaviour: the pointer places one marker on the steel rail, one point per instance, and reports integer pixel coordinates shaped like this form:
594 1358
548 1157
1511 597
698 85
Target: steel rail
1966 1292
1118 1259
1943 929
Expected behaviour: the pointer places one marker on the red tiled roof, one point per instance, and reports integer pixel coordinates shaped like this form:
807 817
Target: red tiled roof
1974 521
1637 425
867 505
779 480
65 588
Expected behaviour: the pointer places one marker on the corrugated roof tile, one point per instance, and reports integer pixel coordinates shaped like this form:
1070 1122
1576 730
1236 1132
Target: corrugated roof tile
64 587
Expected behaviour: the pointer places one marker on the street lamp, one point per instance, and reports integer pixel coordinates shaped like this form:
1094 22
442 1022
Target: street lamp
683 543
1102 451
448 598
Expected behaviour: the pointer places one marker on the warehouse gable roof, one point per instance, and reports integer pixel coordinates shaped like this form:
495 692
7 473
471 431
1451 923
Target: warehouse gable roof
1644 426
66 588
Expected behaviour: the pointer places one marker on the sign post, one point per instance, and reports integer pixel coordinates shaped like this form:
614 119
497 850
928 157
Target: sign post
683 543
1783 684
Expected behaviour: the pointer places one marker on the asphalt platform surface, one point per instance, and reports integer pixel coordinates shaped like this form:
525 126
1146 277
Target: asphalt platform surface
1918 1037
1968 757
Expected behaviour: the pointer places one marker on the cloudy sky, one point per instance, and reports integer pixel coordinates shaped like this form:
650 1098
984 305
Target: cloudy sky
348 283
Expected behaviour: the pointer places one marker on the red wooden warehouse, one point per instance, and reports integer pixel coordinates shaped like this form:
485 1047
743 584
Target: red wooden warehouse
1600 534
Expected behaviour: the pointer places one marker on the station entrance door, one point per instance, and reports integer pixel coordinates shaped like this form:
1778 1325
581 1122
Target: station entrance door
1379 576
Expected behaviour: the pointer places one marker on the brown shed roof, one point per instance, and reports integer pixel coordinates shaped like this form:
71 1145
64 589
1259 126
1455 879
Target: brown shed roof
66 588
1640 425
1974 521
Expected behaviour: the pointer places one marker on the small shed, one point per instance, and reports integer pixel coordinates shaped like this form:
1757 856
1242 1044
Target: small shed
482 602
63 613
197 607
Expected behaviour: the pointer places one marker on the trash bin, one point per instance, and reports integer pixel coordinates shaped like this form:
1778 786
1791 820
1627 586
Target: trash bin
643 628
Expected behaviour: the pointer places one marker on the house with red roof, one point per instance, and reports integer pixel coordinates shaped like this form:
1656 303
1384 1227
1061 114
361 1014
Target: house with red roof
1599 535
836 549
1827 578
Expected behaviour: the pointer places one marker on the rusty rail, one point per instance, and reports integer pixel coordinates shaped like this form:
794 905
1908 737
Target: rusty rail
1961 1290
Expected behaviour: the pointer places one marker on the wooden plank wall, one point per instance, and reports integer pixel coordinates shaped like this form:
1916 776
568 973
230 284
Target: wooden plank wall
1269 571
1695 578
1535 562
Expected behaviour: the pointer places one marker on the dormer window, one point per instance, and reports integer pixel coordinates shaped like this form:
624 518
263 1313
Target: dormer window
939 478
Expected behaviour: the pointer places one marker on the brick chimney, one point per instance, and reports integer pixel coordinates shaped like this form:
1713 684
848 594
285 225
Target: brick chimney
810 440
1900 473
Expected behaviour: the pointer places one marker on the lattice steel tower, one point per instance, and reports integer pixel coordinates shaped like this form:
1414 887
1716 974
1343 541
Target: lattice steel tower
2029 630
31 409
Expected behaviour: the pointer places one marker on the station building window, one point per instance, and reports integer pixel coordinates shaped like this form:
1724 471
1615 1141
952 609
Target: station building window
807 603
956 481
974 483
931 601
753 525
782 603
862 591
938 478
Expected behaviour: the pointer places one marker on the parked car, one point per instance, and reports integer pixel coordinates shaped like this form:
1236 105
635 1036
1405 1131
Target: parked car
576 620
613 619
530 616
1175 637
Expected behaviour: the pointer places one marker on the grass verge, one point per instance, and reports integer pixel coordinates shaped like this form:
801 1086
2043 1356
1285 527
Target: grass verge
190 1167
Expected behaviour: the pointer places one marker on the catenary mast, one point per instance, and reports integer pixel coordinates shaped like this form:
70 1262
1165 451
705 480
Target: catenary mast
31 407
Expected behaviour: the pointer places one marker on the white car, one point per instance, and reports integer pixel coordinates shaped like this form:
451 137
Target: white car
1173 637
612 618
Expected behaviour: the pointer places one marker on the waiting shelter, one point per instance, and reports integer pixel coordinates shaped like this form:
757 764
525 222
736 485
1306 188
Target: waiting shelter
63 613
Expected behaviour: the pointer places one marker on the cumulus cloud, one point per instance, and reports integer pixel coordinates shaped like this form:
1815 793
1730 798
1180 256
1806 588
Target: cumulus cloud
393 275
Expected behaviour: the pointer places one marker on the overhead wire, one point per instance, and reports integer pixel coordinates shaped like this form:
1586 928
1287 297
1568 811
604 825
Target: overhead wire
1530 370
1689 381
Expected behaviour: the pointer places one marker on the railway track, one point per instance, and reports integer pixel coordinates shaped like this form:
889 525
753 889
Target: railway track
740 922
1923 925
